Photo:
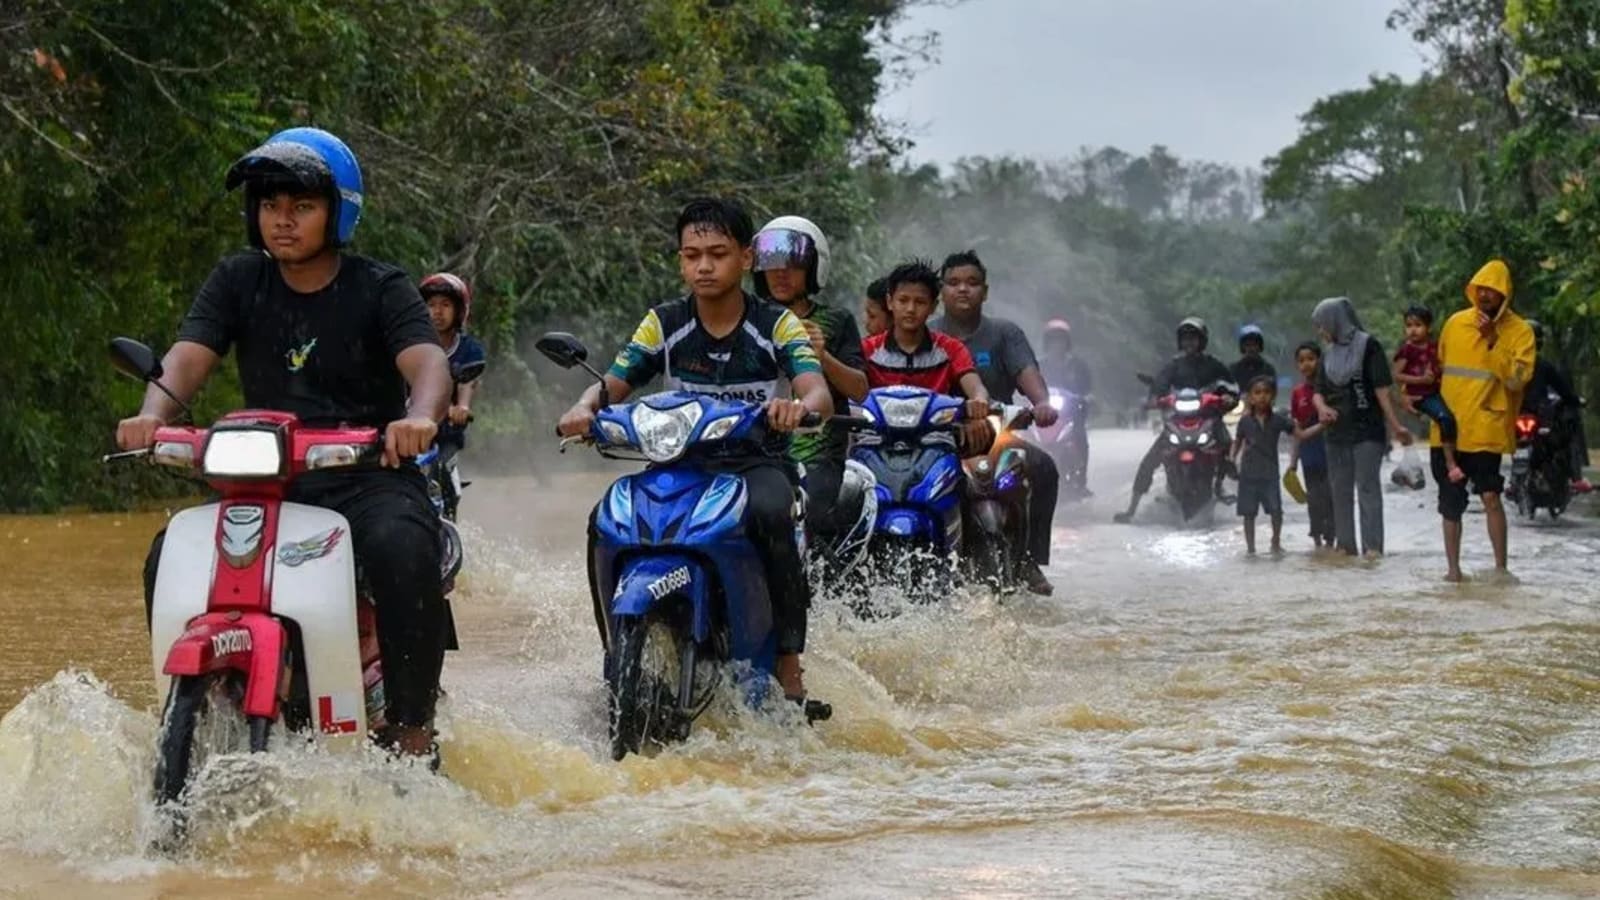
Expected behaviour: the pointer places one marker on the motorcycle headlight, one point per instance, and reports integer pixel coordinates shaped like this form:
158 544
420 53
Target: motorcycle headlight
1187 405
1058 402
332 456
1172 436
903 412
664 433
719 429
243 454
614 433
1205 437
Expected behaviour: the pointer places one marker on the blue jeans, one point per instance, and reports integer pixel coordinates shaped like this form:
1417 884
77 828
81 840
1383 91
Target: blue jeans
1434 408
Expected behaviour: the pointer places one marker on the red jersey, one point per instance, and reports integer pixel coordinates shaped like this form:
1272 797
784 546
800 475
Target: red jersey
937 364
1419 359
1301 407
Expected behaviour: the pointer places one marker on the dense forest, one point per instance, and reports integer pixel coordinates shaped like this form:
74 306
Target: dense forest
540 147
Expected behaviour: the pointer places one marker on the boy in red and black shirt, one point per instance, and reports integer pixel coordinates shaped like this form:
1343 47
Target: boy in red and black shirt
910 353
1416 367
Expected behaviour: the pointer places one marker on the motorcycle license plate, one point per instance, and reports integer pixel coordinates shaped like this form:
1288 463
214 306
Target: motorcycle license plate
1522 453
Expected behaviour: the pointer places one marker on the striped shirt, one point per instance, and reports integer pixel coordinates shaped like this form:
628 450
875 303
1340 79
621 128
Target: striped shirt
937 364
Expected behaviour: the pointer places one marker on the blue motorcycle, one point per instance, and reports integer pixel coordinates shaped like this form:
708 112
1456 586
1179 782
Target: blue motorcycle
687 590
908 443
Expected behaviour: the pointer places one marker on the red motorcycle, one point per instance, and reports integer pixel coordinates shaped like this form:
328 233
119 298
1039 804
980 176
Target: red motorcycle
257 617
1194 454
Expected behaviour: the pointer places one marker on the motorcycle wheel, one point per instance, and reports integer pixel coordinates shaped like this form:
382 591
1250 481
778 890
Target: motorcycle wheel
640 700
994 564
204 717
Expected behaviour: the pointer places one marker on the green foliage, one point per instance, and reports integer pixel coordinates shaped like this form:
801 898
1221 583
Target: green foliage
539 148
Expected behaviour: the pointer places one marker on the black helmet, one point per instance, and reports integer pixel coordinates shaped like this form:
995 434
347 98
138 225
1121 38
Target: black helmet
1196 325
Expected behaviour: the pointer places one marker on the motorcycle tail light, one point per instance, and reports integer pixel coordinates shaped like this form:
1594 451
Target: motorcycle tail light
1527 425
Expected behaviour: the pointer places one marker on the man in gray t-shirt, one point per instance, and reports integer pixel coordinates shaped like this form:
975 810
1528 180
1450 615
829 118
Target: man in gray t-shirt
1007 365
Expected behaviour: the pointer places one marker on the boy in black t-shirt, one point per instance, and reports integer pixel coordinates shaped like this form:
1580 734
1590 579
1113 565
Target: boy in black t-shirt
331 337
1255 452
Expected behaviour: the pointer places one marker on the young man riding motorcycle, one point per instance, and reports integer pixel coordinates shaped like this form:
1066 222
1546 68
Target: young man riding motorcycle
1063 368
719 340
333 338
1252 364
1194 368
791 268
1007 365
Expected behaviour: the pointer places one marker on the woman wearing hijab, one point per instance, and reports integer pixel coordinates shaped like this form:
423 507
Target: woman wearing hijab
1353 401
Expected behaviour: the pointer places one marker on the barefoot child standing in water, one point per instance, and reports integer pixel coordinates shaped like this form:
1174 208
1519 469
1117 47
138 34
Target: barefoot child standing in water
1255 451
1309 449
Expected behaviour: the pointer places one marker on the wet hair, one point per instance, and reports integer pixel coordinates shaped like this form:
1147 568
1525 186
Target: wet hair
1266 381
913 271
963 258
1420 313
878 291
1313 346
717 215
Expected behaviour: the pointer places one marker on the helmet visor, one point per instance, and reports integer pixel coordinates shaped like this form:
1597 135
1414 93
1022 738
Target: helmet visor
282 163
784 249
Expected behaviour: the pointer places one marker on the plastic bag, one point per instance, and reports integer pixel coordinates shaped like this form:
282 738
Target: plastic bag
1409 472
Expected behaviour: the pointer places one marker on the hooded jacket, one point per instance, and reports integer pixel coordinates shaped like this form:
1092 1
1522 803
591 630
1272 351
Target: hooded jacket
1483 384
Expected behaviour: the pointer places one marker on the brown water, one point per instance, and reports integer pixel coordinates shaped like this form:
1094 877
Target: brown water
1178 721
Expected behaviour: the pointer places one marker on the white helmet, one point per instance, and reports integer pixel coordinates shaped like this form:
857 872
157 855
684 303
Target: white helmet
779 251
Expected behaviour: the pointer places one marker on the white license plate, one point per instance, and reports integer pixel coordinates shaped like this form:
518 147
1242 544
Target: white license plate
1523 453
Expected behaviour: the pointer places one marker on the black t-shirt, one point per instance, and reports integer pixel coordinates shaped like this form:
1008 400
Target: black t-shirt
1248 369
1200 371
327 357
1360 417
844 344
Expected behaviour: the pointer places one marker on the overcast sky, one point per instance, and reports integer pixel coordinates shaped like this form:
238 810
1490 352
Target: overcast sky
1220 80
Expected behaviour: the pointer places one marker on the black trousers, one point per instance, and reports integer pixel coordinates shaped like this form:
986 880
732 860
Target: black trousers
769 521
395 535
824 518
1044 485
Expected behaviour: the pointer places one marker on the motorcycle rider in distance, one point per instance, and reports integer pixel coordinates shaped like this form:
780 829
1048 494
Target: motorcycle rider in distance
1194 368
1007 365
1065 369
1547 378
331 337
1251 364
791 268
449 300
721 341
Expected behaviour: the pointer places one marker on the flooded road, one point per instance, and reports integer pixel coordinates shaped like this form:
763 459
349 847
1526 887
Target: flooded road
1179 720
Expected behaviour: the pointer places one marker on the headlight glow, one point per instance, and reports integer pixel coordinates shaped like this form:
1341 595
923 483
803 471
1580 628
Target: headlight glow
1205 437
903 412
1172 436
243 454
1187 405
664 433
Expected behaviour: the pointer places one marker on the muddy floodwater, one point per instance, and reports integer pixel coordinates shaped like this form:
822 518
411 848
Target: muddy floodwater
1177 721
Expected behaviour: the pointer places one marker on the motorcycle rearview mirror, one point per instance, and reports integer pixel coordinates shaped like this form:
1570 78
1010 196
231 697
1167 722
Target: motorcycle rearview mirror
566 351
469 372
563 349
134 359
1145 379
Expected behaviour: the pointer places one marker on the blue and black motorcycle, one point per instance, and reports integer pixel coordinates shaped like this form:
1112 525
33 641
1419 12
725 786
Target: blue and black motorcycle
907 441
679 589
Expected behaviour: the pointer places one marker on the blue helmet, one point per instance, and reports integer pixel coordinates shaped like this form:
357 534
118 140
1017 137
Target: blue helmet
1251 330
308 159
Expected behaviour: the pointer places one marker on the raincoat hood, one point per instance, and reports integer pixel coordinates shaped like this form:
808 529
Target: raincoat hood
1494 274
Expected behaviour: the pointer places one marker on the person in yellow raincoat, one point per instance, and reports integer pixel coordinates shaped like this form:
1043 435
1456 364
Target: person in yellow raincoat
1486 352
